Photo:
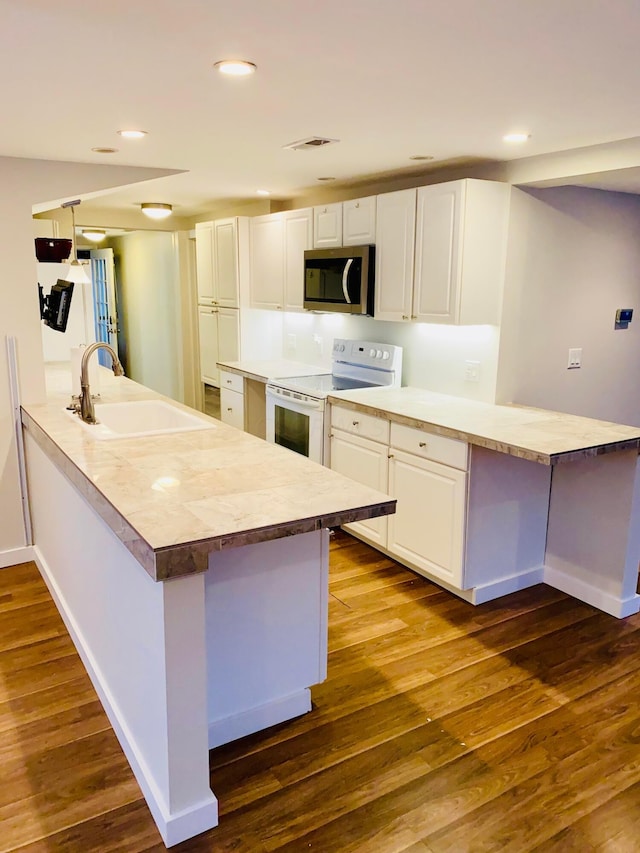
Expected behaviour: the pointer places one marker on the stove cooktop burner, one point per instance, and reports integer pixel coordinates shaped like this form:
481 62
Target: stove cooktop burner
320 385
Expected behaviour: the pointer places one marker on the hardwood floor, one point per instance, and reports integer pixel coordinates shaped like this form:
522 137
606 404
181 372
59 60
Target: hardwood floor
513 726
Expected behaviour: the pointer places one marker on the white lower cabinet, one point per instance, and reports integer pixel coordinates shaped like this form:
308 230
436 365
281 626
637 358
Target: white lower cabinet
427 530
426 473
232 399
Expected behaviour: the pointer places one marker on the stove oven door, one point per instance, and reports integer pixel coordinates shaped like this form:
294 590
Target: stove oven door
296 421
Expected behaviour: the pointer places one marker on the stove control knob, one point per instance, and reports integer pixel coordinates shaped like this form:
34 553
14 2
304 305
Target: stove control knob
372 353
379 353
385 354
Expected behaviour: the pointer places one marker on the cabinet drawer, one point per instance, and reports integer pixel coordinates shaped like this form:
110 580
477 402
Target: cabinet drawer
358 423
232 381
232 408
438 448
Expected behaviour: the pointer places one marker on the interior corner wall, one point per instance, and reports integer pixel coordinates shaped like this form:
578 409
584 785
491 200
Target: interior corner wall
573 258
148 284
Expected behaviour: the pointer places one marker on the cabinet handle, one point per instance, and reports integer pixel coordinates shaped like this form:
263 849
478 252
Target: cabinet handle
422 444
357 204
391 456
228 381
414 316
405 316
229 409
355 423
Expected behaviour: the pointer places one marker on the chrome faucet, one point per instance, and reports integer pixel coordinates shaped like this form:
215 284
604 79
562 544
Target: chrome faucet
86 411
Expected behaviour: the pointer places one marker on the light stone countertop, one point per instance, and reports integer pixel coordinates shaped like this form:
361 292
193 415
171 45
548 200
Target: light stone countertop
263 371
174 498
536 434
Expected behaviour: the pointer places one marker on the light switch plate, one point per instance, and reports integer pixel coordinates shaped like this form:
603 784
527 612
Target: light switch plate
575 358
472 371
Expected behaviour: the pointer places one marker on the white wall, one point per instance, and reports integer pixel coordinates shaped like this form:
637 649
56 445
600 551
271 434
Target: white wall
150 309
573 259
433 355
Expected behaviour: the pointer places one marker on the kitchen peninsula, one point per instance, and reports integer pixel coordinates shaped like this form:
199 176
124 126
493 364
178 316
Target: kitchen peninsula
495 498
191 571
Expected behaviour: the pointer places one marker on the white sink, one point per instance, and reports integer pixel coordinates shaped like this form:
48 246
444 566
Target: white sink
139 418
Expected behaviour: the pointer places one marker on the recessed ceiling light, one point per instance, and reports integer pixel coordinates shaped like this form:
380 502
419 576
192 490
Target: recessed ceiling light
516 137
105 150
156 210
94 234
263 192
132 134
235 67
325 179
421 157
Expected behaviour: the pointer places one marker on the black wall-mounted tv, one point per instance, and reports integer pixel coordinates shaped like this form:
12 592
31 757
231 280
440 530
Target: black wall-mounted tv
54 308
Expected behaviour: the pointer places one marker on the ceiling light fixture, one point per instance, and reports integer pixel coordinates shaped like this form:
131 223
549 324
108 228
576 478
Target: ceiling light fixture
235 67
516 137
94 234
156 210
263 192
76 272
101 150
132 134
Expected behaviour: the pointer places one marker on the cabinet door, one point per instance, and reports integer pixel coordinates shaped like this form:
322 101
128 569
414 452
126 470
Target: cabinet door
298 236
232 408
327 225
208 334
267 261
228 334
359 221
225 262
395 240
427 530
438 253
365 462
204 262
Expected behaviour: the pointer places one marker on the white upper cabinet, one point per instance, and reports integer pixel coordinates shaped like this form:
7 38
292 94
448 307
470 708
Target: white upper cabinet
217 262
267 261
395 245
225 262
359 221
298 236
327 226
461 238
204 262
440 253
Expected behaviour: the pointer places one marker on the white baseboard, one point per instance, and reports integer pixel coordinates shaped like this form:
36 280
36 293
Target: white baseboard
504 586
256 719
16 555
618 607
173 827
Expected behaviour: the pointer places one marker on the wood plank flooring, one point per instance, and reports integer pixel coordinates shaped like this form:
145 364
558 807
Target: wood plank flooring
513 726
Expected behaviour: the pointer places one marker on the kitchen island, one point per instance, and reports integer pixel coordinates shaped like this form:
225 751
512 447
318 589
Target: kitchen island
191 571
494 498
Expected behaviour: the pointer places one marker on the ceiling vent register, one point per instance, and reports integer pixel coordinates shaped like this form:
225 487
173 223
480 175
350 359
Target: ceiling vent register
310 142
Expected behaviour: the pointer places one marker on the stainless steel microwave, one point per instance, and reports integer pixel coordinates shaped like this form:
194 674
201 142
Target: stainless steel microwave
339 279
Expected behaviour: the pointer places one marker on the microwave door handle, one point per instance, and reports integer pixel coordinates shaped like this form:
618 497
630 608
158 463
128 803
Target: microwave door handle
345 281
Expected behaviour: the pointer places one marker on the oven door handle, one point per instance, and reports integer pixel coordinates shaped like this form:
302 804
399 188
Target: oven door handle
345 281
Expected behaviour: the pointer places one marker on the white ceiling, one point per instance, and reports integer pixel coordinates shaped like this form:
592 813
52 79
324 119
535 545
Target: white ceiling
388 78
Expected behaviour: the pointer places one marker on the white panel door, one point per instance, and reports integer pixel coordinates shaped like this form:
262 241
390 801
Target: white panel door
208 334
204 262
228 334
267 261
438 249
395 242
225 262
365 462
427 530
327 226
359 221
298 236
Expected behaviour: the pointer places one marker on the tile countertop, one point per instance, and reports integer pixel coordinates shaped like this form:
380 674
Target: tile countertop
536 434
174 498
263 371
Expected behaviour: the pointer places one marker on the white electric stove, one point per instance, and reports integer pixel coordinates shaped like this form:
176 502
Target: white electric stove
296 405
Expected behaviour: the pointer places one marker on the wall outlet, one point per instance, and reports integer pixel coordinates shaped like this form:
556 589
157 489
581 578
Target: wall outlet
291 343
472 371
318 341
575 358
